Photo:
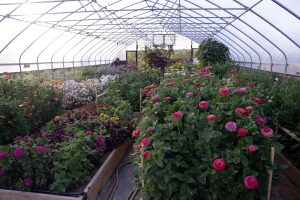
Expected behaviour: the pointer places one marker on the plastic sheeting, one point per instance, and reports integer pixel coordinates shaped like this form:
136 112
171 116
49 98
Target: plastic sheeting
49 34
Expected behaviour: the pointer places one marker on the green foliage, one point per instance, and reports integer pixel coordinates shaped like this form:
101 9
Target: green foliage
88 73
72 166
128 85
212 52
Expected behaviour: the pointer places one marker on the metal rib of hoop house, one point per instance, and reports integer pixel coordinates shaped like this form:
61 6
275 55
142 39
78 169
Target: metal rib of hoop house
170 15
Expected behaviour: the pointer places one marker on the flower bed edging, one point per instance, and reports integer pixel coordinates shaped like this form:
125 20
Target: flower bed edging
291 172
92 189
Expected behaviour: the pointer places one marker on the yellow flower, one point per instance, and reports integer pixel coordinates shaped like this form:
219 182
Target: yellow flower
59 83
56 118
114 118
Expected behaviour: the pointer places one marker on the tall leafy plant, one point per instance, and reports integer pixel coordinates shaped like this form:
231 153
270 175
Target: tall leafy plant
212 52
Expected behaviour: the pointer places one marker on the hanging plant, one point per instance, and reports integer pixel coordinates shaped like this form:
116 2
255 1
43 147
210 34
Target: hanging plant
212 52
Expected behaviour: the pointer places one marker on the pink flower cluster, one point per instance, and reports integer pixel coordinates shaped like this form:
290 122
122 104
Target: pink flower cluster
224 91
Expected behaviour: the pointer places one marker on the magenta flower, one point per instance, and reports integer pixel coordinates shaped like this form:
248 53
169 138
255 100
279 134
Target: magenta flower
136 133
242 111
18 152
260 120
224 91
177 115
100 140
40 149
219 164
145 142
267 132
203 104
251 182
44 134
210 117
251 148
231 126
28 181
3 154
146 154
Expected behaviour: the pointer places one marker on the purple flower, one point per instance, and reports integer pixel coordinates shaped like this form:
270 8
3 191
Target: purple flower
44 134
40 149
3 154
18 139
18 152
231 126
59 134
28 181
251 148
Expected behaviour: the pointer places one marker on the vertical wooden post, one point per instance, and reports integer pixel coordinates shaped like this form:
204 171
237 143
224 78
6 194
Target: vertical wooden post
271 174
141 99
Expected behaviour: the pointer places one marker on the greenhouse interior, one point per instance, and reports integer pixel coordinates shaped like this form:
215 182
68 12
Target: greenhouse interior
149 99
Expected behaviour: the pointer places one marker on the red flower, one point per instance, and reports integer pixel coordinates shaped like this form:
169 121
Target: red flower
146 154
210 117
177 115
149 94
145 142
242 132
89 133
251 182
260 120
242 111
203 104
136 133
219 164
189 94
258 100
197 84
145 91
224 91
203 70
240 90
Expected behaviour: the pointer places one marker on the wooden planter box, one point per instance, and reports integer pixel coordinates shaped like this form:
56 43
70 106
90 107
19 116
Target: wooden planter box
291 171
92 189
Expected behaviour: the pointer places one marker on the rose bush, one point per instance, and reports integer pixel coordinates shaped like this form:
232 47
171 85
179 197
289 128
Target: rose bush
204 146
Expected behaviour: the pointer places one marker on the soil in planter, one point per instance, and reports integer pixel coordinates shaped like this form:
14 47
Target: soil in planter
285 190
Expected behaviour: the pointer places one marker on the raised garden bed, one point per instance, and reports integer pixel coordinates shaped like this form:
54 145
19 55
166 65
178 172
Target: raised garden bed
90 191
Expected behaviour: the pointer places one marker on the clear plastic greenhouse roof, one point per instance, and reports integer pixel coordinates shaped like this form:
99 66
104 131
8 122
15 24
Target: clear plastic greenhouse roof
52 33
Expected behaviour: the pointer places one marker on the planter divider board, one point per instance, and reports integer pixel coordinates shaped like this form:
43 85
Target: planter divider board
92 189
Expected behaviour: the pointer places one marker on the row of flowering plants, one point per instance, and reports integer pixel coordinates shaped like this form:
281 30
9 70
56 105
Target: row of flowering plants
24 106
61 156
204 137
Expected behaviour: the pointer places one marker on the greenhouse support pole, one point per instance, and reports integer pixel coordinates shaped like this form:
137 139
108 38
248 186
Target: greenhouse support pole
21 76
192 51
136 53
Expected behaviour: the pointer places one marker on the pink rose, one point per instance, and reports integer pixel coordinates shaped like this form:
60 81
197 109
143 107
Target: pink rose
219 164
156 104
155 97
249 108
261 120
224 91
251 182
267 132
136 133
145 141
177 115
203 104
242 132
